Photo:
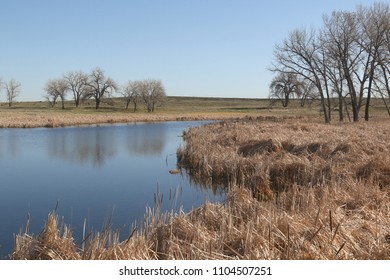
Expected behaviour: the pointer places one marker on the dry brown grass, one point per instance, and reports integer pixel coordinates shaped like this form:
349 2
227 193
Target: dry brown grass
299 226
298 190
54 243
277 155
38 114
52 118
337 222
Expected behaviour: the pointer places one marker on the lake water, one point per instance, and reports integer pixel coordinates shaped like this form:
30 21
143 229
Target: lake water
93 172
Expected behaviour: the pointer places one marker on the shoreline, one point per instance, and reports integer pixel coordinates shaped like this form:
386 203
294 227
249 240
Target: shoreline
55 119
37 114
58 119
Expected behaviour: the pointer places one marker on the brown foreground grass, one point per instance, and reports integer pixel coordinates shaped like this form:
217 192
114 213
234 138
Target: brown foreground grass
298 190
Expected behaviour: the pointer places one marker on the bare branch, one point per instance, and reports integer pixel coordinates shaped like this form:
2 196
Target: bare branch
100 86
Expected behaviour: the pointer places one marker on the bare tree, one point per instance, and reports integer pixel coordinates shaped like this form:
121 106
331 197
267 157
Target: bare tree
350 58
301 55
132 93
55 89
285 86
333 72
382 79
153 93
77 82
12 90
354 42
374 23
100 86
343 53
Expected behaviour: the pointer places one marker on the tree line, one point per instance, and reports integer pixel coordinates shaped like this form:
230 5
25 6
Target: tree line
97 86
347 59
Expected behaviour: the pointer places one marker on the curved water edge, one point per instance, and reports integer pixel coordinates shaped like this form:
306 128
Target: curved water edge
97 173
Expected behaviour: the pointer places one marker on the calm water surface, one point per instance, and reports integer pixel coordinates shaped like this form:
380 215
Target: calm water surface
91 172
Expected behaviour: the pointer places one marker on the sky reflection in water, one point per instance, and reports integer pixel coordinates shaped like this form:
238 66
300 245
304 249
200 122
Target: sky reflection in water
93 173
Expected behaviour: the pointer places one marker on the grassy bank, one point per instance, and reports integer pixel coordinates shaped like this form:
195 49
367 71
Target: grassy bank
29 115
38 114
298 190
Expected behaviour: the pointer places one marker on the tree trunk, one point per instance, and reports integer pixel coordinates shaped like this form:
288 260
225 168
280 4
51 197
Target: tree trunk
346 109
352 93
327 119
53 103
355 108
341 110
97 103
77 102
355 112
366 113
286 100
328 101
371 78
323 102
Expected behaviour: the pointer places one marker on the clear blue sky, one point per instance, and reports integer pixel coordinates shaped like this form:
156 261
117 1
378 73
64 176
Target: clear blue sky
219 48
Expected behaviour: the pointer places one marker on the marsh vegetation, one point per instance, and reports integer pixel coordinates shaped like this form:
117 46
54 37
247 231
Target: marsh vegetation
298 189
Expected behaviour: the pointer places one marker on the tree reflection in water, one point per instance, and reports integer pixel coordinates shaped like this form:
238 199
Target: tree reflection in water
95 145
90 171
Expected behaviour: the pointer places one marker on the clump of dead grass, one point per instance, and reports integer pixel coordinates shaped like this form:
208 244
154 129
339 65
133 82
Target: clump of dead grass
54 243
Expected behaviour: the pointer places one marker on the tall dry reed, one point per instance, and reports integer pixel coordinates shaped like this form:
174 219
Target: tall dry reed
274 156
341 221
